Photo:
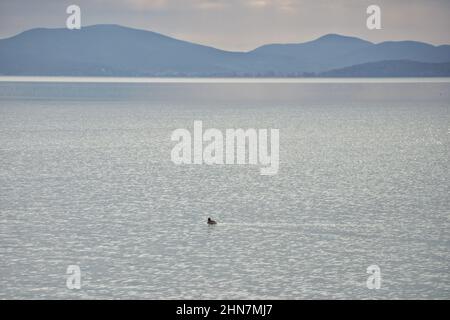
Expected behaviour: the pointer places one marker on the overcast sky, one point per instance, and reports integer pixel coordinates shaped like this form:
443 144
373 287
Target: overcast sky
242 24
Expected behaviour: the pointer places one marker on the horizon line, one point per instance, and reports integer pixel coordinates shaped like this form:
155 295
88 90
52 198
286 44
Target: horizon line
218 80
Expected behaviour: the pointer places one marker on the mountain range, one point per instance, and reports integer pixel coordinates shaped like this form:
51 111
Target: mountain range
113 50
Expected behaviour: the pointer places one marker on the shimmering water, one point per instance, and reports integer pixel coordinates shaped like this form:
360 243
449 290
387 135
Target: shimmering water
86 179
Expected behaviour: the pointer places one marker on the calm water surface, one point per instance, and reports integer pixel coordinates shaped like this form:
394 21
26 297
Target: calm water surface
86 178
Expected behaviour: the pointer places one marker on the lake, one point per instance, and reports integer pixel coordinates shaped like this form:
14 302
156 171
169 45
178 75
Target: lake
86 179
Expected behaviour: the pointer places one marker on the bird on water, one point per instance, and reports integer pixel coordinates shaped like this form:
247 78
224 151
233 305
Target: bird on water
210 221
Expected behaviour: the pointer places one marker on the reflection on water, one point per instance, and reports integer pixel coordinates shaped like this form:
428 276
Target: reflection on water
86 179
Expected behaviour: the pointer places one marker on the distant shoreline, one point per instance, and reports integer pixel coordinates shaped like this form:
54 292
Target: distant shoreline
63 79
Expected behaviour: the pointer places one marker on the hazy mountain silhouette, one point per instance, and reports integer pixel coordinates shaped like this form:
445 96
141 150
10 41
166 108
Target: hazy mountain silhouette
398 68
112 50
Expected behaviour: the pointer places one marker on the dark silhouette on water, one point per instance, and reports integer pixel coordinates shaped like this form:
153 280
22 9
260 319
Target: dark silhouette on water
210 221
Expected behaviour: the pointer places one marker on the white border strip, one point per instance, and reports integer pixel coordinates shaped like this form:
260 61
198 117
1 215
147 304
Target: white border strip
218 80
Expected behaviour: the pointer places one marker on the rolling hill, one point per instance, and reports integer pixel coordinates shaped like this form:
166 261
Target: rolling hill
112 50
